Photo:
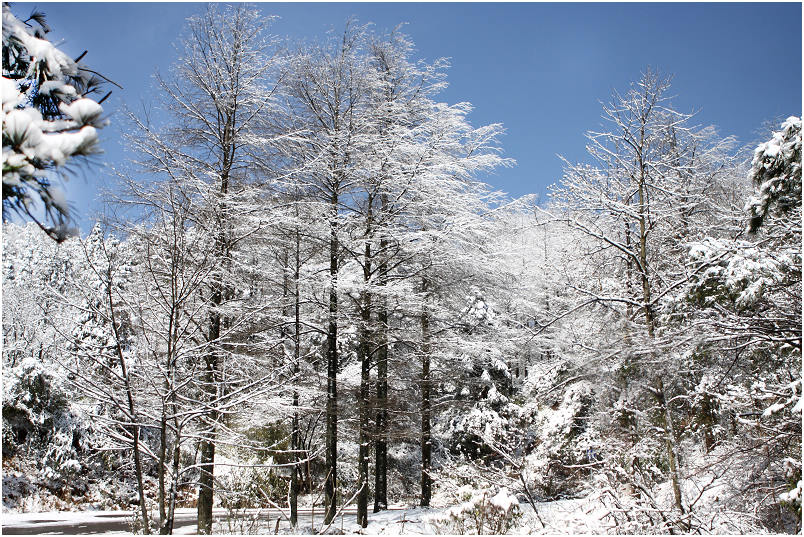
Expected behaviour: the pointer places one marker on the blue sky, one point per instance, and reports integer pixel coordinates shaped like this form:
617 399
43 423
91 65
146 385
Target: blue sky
541 69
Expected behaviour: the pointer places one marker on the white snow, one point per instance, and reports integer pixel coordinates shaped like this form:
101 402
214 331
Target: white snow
83 111
504 500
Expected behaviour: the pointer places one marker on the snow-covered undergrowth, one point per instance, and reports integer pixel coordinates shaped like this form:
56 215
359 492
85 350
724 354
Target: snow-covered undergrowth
46 447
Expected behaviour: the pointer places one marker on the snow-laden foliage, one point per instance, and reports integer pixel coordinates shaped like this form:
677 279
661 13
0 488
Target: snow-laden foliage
48 434
776 172
565 443
739 274
48 118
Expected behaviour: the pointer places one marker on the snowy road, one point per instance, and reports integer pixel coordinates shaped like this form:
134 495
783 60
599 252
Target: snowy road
84 522
119 522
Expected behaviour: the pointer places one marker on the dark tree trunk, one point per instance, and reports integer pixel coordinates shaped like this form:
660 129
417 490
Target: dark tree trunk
295 439
330 490
205 486
171 513
207 444
213 362
381 429
670 443
295 473
381 441
135 428
644 213
162 497
140 486
426 437
364 352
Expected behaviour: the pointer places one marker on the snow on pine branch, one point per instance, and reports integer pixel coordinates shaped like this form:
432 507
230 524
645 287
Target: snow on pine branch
48 122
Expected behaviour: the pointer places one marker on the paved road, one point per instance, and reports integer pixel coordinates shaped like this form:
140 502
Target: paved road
96 522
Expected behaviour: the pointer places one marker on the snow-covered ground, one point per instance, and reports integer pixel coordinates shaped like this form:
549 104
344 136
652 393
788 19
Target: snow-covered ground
564 516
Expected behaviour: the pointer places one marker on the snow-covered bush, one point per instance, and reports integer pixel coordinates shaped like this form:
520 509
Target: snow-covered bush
248 487
564 443
491 417
42 424
34 402
480 513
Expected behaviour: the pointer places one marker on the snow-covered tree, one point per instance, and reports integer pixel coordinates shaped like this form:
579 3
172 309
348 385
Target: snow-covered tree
653 187
327 86
776 172
744 295
218 96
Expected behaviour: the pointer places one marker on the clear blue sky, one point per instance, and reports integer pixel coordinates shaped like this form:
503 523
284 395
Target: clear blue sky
540 69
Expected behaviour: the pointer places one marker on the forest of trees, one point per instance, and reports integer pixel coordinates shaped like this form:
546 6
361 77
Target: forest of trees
302 287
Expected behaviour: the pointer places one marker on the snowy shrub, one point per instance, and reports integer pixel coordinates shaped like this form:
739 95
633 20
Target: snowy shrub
492 417
564 442
480 513
48 437
468 433
248 487
33 402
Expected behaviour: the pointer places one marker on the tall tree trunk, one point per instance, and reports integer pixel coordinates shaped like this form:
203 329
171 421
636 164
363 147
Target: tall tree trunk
213 357
166 527
364 352
140 486
650 320
206 464
381 425
426 436
174 485
161 496
169 390
295 438
207 444
295 473
330 490
295 477
205 486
